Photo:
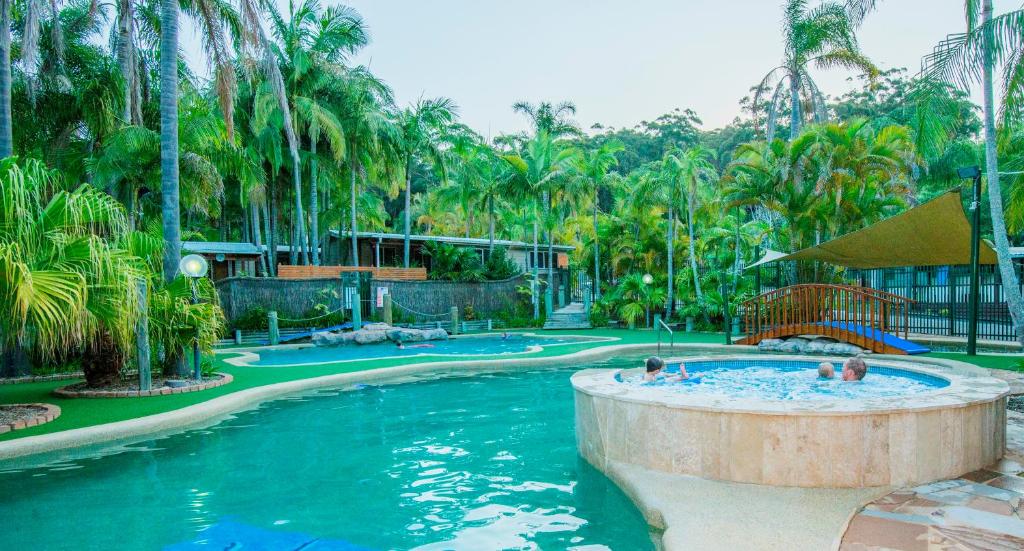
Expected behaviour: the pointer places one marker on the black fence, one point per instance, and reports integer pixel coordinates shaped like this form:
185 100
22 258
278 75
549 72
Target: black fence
940 294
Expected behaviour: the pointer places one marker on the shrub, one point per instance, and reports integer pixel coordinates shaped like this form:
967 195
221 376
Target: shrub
499 266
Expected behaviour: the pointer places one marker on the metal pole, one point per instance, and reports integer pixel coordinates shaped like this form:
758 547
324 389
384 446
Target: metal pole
725 312
972 321
197 370
142 338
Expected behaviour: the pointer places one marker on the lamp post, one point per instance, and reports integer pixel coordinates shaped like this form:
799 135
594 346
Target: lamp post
973 172
194 266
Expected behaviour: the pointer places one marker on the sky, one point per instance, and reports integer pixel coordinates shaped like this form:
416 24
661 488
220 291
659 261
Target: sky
619 62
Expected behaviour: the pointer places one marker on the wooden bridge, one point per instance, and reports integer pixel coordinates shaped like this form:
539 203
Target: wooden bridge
866 317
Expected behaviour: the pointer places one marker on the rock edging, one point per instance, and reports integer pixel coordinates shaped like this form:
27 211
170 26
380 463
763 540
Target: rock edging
223 379
50 413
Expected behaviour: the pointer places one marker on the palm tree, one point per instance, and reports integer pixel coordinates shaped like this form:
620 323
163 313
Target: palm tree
169 137
693 169
6 122
593 167
822 36
69 285
422 127
554 120
538 170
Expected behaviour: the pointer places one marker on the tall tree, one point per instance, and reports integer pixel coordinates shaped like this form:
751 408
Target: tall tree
422 128
593 166
823 37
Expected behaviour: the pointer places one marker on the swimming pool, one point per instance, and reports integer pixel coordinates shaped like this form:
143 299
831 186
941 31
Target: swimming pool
484 462
775 379
482 345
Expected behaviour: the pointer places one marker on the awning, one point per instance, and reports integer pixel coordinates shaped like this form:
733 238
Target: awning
935 233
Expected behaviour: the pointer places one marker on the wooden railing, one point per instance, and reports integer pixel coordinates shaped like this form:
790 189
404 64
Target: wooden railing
286 271
859 315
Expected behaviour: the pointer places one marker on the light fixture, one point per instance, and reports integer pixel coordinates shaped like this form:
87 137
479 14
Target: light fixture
193 266
648 279
968 172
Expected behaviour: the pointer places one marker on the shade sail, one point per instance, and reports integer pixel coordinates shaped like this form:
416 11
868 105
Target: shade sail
935 233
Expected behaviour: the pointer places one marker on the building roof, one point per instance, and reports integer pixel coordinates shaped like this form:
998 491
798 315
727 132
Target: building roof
220 247
468 241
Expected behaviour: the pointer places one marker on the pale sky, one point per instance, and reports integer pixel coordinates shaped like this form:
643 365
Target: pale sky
620 62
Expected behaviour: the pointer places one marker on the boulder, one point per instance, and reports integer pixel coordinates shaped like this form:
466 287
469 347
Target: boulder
843 349
436 334
376 326
795 345
364 336
328 338
769 345
402 334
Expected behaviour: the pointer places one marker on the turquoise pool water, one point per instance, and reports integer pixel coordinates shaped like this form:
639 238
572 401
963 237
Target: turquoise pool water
457 346
785 379
486 462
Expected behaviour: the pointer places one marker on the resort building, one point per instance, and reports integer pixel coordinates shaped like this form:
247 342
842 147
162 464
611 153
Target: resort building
387 249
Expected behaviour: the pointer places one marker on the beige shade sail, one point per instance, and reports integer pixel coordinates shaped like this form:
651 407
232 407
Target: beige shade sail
935 233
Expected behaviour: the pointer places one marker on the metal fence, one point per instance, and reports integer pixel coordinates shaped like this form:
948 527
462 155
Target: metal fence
940 294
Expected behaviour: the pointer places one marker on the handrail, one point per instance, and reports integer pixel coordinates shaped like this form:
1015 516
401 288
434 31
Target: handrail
671 336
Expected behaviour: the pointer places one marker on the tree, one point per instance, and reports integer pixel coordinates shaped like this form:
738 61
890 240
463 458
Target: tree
971 57
422 127
822 36
593 167
693 169
553 120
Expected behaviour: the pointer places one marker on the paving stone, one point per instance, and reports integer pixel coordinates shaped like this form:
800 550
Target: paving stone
866 532
981 475
1014 483
1006 466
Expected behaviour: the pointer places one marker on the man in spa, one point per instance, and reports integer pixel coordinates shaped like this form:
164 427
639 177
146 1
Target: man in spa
854 369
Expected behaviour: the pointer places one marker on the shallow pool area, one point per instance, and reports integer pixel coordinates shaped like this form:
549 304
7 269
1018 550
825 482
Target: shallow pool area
777 379
481 462
473 345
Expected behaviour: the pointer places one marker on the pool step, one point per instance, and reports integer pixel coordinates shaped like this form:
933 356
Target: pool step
573 316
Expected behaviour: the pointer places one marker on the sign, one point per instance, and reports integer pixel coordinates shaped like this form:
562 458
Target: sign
381 291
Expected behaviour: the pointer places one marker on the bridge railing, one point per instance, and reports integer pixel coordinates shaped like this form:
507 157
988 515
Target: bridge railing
837 311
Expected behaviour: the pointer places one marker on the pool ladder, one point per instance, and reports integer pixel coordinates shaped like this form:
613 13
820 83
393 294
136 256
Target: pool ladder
671 335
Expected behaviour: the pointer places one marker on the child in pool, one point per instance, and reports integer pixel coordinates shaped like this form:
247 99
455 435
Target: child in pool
826 371
656 365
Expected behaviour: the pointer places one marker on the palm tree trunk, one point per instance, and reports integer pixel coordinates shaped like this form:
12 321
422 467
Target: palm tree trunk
670 242
691 208
272 230
314 207
258 239
550 291
795 117
6 124
408 205
536 254
170 203
125 57
352 210
1011 286
490 223
597 253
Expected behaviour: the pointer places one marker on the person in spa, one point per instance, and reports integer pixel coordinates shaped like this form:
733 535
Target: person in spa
854 369
655 367
826 370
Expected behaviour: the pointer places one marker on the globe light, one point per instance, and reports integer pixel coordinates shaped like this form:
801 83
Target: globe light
193 265
648 279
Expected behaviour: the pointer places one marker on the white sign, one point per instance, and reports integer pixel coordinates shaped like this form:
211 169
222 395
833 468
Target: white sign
381 291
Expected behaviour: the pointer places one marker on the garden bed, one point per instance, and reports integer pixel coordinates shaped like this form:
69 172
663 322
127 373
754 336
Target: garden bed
130 389
20 416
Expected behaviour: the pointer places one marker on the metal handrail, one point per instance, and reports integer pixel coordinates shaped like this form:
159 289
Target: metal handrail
671 336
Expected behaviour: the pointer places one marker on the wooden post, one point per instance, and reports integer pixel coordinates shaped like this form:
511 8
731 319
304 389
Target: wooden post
387 308
357 313
142 357
238 336
455 320
273 333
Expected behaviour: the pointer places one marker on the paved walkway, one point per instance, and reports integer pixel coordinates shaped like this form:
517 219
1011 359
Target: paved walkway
981 510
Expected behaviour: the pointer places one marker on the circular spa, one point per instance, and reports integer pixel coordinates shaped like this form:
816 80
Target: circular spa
770 420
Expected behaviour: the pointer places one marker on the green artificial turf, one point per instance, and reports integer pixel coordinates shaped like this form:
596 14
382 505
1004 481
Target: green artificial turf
83 412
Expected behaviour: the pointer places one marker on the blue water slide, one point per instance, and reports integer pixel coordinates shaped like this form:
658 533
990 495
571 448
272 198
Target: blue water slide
886 338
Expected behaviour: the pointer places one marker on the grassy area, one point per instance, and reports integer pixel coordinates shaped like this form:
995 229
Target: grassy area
80 412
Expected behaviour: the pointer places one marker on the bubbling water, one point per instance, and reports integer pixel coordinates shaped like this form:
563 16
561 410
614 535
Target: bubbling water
773 379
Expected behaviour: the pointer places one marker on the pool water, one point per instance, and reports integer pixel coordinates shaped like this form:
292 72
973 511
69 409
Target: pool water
457 346
788 380
487 462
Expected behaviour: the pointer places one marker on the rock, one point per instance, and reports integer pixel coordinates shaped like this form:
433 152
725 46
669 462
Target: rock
816 346
327 338
769 345
364 336
435 335
795 345
376 326
402 334
843 349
